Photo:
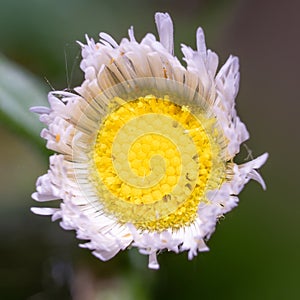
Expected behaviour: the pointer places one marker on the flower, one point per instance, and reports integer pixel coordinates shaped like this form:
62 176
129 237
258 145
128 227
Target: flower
145 146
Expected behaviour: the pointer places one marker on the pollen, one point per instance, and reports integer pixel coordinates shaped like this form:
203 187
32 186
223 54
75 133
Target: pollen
57 137
153 161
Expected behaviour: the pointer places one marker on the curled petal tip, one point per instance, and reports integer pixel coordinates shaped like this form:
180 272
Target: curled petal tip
260 160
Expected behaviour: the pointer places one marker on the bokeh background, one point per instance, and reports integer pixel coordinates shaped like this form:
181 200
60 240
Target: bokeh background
255 250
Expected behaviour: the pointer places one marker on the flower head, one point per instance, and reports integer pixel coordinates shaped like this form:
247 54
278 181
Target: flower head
145 146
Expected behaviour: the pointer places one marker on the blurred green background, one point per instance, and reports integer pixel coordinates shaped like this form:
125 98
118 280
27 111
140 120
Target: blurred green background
255 250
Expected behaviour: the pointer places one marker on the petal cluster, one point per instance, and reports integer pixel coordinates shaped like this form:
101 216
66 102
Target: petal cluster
106 63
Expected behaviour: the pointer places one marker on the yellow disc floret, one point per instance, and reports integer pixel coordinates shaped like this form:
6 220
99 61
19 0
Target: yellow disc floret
153 162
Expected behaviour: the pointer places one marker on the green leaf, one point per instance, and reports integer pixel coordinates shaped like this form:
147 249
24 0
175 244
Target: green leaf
19 90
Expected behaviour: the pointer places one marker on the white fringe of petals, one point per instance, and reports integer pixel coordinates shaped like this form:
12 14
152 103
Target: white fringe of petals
126 61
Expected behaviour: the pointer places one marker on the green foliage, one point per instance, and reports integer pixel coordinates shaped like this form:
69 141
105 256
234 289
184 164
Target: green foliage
19 90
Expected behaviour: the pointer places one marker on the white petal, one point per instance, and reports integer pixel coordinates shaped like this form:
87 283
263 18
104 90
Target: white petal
228 80
250 167
57 215
43 197
106 255
255 163
40 109
257 177
212 62
109 39
153 264
131 34
201 46
164 26
44 211
202 247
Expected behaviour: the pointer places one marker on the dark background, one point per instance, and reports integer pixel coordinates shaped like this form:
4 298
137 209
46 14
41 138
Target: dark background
255 250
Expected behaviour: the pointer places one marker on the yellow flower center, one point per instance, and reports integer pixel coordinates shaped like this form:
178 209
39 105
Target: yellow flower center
153 161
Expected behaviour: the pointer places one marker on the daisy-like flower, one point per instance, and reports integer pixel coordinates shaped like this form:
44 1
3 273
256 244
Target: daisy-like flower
145 146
